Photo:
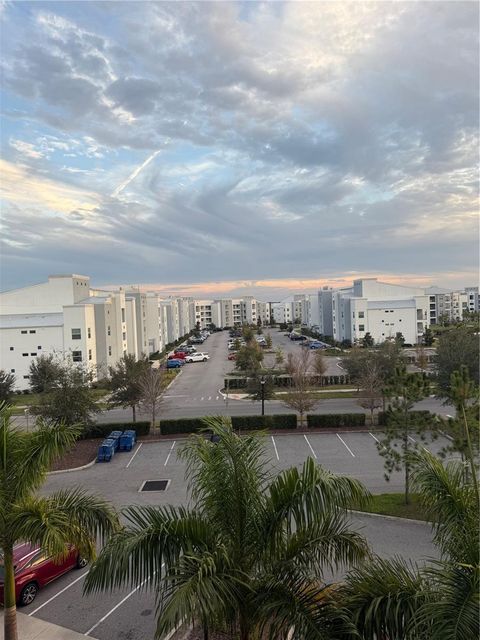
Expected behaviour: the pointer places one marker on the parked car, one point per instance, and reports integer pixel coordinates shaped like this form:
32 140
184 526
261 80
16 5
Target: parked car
232 356
197 357
34 569
175 364
317 345
199 340
188 348
178 355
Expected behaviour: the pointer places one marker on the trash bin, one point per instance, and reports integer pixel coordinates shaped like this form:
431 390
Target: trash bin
126 442
115 436
106 451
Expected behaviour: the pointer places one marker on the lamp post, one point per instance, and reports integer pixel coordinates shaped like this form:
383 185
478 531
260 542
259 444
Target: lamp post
262 385
25 412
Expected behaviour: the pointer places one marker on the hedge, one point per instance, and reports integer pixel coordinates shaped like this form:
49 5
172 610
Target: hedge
413 416
279 421
286 381
100 430
315 420
246 423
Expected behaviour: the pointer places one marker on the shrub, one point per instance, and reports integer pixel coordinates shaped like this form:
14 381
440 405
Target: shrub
181 425
100 430
251 423
326 420
413 416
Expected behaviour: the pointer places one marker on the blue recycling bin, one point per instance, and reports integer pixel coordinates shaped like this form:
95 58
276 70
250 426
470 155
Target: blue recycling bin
106 451
115 436
132 433
126 442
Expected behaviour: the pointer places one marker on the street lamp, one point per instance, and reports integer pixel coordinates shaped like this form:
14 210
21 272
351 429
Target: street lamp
262 386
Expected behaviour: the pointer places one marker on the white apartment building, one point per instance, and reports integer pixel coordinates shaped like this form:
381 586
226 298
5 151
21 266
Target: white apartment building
374 307
226 312
451 305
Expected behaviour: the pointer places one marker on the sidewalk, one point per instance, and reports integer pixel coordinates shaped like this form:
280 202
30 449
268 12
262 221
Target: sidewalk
35 629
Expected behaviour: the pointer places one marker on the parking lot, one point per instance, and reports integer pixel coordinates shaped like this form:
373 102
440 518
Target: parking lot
130 614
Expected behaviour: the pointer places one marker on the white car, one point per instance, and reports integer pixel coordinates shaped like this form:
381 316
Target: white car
197 357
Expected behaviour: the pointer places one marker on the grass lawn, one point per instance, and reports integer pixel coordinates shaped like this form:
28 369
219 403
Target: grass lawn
393 504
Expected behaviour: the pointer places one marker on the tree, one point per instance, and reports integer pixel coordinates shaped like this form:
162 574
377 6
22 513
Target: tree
53 522
125 382
259 324
249 358
464 428
279 357
249 553
248 334
151 386
428 337
389 354
367 340
268 341
397 444
421 358
254 388
370 383
399 339
320 365
71 399
393 599
7 385
45 373
299 397
457 347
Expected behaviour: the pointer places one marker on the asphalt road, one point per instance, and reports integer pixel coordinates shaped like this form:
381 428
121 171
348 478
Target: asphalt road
130 614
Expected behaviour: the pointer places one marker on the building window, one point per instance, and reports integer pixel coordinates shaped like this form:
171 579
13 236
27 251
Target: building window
24 354
39 347
77 356
123 314
26 377
361 314
12 348
108 331
89 354
124 335
24 331
33 331
12 370
33 354
76 334
109 351
361 327
89 333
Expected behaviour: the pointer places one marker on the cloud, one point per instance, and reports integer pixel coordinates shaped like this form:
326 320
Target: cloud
298 139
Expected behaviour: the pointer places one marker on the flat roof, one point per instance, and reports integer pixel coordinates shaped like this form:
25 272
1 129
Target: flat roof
14 321
408 303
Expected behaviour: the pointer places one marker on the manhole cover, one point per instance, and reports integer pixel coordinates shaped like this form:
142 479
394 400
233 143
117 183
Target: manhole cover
155 485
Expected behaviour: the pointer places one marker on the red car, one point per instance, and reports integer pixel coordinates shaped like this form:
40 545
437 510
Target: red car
33 570
178 355
232 356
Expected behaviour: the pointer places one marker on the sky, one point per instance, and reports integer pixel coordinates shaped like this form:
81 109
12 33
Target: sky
239 147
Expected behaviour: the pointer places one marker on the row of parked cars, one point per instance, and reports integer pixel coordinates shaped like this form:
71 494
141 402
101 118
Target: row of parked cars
310 343
186 353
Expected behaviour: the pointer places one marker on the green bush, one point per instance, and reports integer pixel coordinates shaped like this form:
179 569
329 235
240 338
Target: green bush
326 420
413 416
101 430
181 425
251 423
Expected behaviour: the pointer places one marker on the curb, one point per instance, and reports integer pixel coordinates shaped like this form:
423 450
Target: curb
395 518
85 466
175 378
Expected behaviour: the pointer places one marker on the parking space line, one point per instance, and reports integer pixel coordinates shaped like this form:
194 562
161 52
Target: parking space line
131 459
201 398
346 446
275 447
412 439
376 439
107 615
58 594
311 448
169 453
216 398
209 397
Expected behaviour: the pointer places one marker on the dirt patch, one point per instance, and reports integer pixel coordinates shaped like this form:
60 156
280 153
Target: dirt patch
83 452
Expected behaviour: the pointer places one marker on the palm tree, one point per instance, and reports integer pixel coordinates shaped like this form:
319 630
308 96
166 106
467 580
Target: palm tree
390 599
53 522
248 553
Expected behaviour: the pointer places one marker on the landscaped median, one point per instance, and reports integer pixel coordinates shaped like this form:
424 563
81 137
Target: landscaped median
393 504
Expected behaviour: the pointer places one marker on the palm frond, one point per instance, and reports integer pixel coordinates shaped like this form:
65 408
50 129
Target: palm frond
454 613
65 517
450 502
154 536
200 586
384 598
